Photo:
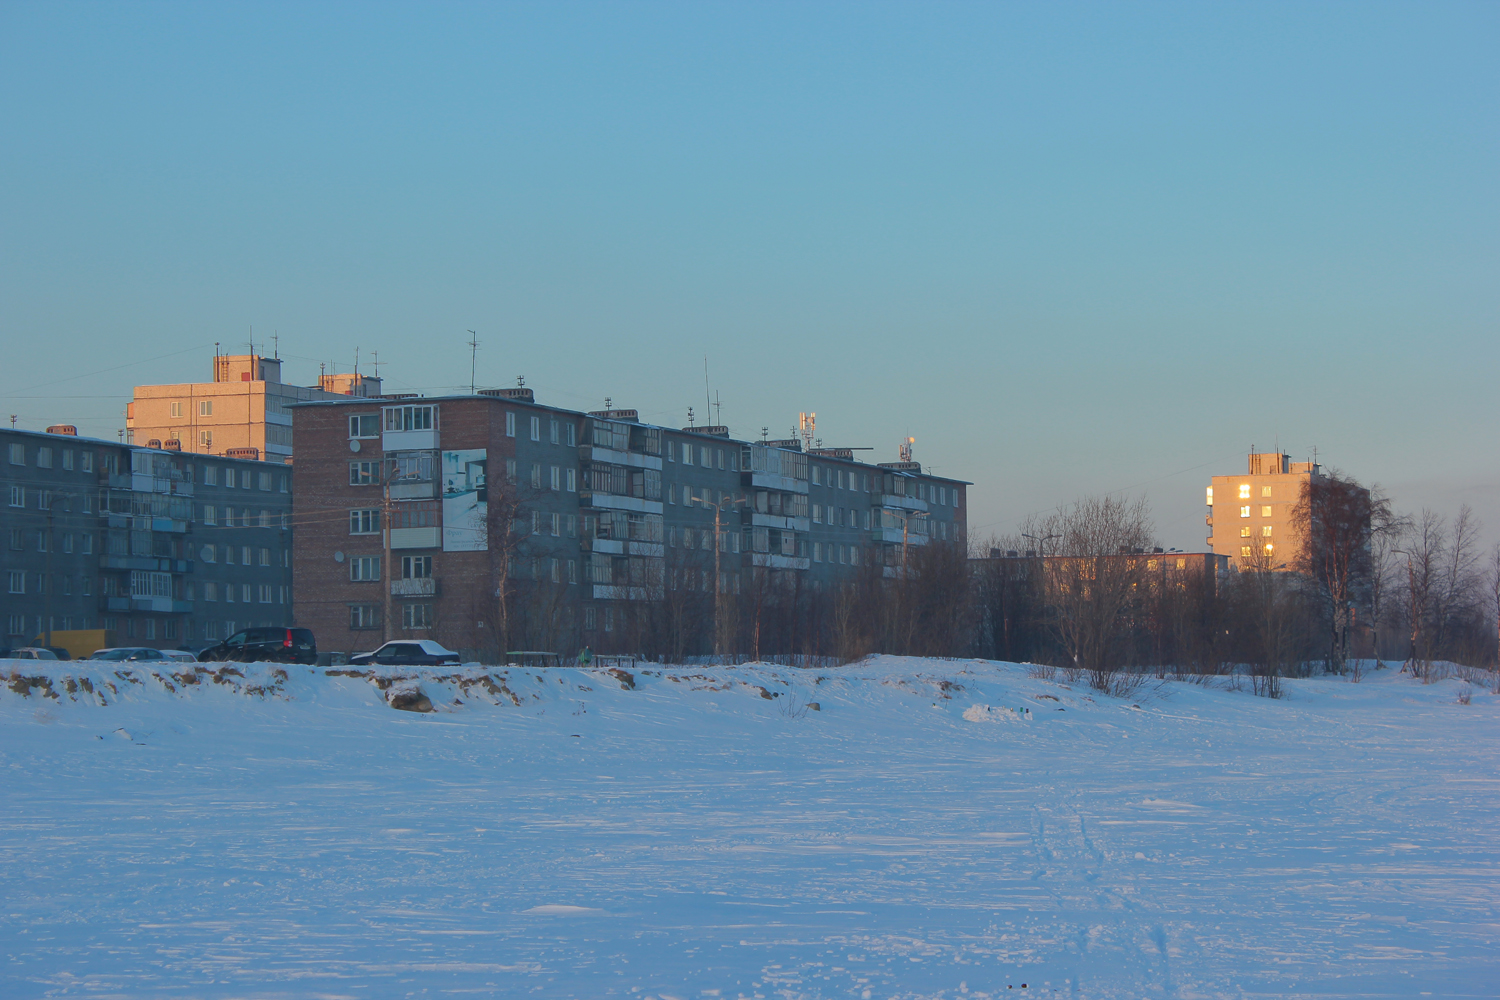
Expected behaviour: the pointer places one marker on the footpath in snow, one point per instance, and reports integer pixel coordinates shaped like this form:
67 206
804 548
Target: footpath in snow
895 828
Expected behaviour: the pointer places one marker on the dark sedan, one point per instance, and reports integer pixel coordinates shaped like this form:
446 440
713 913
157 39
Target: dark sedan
407 652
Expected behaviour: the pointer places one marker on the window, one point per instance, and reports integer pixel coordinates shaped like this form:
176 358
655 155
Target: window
553 430
364 569
536 475
416 567
363 473
510 424
703 457
410 418
148 584
210 591
265 557
205 408
556 526
1244 491
265 593
416 616
1265 531
18 581
536 428
245 593
556 570
1265 510
572 520
687 454
16 541
68 542
18 496
284 488
1245 552
86 461
265 482
18 454
364 522
817 551
176 409
44 457
556 479
245 555
817 475
88 545
364 616
210 475
671 451
1245 511
206 440
609 619
364 425
1245 531
265 519
245 479
572 480
572 436
1270 548
588 618
1265 491
210 515
572 570
817 513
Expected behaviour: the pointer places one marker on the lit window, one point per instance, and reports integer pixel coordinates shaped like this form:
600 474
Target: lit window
1244 551
1244 491
1265 510
1265 531
1270 548
1265 491
1245 511
1245 531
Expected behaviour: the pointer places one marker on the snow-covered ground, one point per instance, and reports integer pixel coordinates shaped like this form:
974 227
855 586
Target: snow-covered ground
933 829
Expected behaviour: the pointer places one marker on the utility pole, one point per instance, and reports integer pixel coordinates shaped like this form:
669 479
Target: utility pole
719 642
473 359
385 530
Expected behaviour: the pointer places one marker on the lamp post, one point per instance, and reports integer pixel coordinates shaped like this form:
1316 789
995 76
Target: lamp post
718 588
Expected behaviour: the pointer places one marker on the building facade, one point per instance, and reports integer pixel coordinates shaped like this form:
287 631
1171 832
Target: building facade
155 546
491 520
244 412
1250 516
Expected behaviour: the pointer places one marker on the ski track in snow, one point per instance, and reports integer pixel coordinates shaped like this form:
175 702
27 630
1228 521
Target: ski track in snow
691 837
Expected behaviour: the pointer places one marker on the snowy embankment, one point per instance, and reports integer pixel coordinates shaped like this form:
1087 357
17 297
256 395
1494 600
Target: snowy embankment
896 828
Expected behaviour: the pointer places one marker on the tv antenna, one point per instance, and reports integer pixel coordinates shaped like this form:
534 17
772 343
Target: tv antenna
690 416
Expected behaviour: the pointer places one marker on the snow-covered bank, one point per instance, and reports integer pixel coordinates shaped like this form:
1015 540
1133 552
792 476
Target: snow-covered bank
900 827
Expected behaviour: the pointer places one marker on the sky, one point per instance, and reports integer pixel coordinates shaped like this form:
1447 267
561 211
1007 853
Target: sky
1070 248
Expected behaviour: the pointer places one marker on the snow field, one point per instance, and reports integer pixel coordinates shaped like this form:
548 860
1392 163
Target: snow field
929 829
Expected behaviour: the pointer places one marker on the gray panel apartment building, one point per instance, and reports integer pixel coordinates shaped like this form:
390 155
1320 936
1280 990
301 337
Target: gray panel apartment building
159 547
534 527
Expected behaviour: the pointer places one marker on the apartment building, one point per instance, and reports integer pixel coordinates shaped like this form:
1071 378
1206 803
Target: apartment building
416 515
243 413
1250 516
155 546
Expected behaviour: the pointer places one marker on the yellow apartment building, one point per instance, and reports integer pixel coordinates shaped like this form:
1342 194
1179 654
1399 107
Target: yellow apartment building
242 413
1251 515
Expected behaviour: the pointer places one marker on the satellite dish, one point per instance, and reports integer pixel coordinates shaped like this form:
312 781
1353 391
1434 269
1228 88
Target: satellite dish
338 557
353 444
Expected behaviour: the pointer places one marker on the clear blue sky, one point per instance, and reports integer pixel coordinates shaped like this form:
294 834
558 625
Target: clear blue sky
1070 248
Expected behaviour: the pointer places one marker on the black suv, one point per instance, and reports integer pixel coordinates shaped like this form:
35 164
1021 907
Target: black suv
271 645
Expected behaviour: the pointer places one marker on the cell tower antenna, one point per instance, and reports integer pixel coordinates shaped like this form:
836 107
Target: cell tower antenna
690 416
764 433
807 426
906 449
520 381
473 358
609 402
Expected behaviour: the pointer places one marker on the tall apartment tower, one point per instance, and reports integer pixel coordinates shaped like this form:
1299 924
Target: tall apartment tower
242 413
1250 516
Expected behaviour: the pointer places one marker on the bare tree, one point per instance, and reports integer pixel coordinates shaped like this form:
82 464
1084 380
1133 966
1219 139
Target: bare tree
1335 517
1089 588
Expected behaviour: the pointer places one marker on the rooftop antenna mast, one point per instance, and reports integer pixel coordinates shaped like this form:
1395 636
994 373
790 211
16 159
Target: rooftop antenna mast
807 426
690 416
906 449
356 361
375 364
707 402
473 358
718 410
276 345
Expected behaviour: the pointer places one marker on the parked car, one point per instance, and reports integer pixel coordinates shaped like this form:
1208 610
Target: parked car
130 653
407 652
60 653
32 653
272 645
180 655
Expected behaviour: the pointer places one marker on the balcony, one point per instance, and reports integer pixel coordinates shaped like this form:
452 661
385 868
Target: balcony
156 564
159 605
413 491
420 587
894 536
902 503
784 523
612 501
771 561
631 459
416 538
772 481
603 592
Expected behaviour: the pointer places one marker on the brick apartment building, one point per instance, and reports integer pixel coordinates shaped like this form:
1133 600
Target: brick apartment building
1250 516
586 517
158 547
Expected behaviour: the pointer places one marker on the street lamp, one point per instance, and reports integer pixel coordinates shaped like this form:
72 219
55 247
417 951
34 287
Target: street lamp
1041 543
906 533
718 588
